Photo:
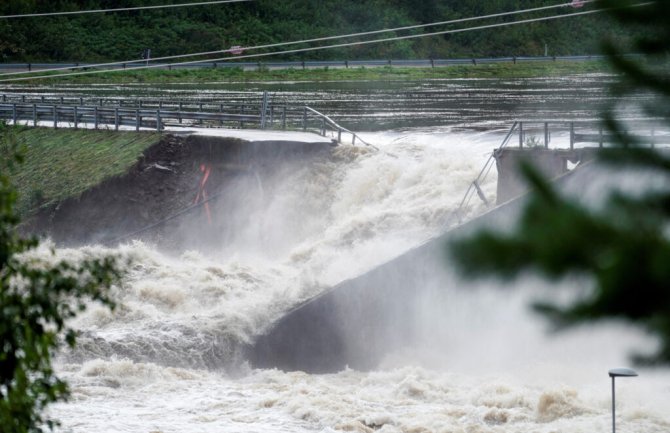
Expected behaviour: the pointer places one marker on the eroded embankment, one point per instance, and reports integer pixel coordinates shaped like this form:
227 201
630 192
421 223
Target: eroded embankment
174 177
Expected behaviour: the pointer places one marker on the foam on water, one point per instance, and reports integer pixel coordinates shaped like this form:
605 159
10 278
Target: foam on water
167 359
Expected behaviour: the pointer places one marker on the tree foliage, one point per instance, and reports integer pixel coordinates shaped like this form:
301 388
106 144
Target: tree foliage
624 245
36 301
124 35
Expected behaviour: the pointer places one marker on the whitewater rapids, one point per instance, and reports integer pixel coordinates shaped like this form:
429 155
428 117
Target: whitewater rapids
168 359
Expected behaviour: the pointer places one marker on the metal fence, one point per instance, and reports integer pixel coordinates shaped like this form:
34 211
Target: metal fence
419 63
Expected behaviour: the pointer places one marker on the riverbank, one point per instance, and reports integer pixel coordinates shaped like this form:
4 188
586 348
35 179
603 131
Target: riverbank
382 73
63 163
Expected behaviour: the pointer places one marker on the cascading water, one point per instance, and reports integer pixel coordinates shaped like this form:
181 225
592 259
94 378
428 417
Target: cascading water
167 359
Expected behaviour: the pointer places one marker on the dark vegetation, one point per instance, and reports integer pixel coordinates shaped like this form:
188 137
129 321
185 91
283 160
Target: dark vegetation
38 296
124 35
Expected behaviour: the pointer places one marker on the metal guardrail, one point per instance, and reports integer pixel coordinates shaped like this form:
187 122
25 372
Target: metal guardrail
142 115
307 64
76 115
327 122
592 131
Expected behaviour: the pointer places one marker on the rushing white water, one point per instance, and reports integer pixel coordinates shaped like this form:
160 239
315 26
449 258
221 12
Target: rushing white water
166 360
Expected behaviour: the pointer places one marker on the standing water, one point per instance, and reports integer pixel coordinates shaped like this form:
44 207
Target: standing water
168 359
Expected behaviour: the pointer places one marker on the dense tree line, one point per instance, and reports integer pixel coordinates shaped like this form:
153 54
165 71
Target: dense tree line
124 35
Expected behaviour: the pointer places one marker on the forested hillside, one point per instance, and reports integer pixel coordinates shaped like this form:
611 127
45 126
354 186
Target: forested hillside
124 35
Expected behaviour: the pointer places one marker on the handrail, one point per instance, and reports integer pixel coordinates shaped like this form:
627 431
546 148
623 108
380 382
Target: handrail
339 128
474 186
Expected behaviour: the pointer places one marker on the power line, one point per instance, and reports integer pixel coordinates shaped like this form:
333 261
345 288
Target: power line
136 8
342 45
304 41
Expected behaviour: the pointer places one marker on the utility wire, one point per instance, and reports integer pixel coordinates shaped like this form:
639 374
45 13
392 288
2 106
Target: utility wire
304 41
136 8
324 47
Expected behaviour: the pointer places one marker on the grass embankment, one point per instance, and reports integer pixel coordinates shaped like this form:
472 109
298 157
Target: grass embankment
62 163
493 70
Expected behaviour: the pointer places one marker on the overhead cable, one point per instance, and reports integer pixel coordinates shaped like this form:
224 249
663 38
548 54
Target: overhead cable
304 41
342 45
135 8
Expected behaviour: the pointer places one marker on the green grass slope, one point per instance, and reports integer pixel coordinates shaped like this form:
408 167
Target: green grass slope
62 163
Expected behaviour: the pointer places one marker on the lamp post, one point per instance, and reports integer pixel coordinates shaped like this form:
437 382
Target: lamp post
614 373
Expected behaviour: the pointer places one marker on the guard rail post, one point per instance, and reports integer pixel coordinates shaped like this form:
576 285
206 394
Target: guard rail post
14 114
34 114
158 121
55 117
520 134
74 111
546 135
137 120
304 119
600 136
116 118
95 117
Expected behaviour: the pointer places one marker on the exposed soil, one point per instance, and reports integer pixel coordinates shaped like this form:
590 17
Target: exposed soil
164 185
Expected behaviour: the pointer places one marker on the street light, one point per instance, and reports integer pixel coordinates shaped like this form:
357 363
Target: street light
614 373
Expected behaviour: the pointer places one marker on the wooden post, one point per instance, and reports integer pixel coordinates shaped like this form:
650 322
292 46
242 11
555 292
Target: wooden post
116 119
520 134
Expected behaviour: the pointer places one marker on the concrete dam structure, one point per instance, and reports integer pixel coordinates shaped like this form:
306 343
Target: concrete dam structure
399 306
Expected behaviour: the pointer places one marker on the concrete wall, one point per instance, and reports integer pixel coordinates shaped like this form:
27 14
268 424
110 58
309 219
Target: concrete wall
552 163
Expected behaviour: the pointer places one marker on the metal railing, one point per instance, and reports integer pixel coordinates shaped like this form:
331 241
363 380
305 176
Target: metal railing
61 111
326 123
76 116
577 132
474 187
425 63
